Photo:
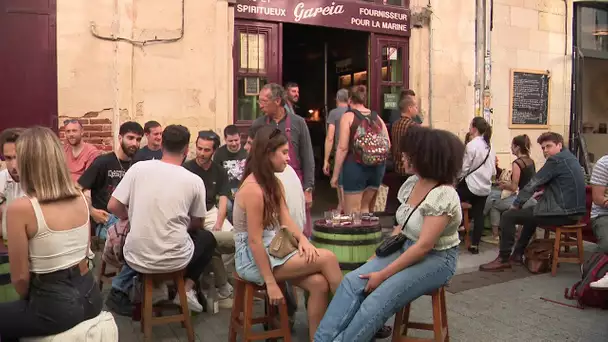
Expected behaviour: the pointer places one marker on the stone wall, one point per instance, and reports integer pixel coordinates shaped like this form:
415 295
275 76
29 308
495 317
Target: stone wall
106 71
536 35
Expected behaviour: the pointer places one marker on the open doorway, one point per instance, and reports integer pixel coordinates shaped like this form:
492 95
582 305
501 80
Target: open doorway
321 61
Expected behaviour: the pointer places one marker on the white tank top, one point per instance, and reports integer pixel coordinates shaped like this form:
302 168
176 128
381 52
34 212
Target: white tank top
55 250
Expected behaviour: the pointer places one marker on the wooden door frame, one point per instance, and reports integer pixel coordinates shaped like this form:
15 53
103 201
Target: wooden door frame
375 79
273 56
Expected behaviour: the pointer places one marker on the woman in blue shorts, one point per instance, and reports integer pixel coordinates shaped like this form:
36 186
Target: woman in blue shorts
260 211
360 181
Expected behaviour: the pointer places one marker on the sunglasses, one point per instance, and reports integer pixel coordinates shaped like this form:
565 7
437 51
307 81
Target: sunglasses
69 121
275 133
208 135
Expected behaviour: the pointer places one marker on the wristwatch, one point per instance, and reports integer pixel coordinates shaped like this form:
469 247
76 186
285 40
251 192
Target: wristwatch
309 189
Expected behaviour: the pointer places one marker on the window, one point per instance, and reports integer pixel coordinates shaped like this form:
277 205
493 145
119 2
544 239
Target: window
593 29
256 65
390 2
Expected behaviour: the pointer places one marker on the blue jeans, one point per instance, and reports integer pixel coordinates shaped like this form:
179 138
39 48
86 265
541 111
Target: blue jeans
124 279
354 317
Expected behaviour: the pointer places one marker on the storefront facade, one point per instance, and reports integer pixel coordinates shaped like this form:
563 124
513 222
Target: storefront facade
259 45
201 63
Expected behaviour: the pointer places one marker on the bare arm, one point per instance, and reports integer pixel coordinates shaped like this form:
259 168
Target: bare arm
18 249
342 150
222 210
329 141
254 207
117 208
515 175
432 227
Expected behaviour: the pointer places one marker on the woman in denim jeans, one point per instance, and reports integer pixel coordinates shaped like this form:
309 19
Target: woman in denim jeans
259 211
430 215
48 245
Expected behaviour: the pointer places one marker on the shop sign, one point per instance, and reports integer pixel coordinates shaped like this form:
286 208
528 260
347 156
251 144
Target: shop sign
345 14
390 101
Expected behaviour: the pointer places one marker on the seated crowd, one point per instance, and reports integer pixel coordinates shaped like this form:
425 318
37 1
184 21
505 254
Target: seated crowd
219 212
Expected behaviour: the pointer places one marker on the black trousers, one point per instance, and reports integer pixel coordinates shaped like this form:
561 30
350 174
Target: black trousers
204 247
57 302
476 212
525 217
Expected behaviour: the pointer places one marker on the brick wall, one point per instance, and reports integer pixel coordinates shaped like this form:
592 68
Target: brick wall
96 131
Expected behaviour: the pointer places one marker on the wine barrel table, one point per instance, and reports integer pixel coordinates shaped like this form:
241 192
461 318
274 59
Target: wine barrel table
7 290
352 244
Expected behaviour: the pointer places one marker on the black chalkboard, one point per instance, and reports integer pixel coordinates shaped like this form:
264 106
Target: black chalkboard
529 98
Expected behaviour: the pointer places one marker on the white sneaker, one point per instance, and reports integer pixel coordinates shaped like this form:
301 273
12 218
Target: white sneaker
193 303
160 293
224 291
600 284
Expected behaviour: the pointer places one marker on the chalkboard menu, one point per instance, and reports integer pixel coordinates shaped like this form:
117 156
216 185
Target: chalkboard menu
529 107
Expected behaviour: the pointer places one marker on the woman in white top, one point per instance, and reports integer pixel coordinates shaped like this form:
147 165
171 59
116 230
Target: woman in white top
48 245
476 176
424 258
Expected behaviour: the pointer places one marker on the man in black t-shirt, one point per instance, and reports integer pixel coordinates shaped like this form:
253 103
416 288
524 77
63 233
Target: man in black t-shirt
217 191
154 135
99 182
232 157
104 174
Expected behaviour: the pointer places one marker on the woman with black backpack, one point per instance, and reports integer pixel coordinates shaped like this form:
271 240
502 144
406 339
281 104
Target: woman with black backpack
476 176
361 153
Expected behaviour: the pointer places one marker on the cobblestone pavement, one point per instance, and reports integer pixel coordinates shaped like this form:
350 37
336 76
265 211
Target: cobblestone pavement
511 311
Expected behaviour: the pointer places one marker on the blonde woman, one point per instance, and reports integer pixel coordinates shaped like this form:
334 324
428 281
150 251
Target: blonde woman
48 243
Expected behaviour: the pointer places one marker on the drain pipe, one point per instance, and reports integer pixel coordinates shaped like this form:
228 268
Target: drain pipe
430 90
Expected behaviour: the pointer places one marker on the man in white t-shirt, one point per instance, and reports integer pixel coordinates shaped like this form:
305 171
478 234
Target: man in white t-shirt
165 205
9 178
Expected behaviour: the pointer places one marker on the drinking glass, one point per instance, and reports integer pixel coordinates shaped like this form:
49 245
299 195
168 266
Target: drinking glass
356 217
328 217
335 217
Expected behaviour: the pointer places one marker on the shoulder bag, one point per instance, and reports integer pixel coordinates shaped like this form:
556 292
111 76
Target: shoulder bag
282 244
395 242
478 166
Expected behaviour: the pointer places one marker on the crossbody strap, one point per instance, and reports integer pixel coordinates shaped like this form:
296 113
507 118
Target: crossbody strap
480 165
416 207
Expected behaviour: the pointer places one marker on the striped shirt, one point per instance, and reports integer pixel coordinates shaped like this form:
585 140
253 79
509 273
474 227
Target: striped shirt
398 130
599 177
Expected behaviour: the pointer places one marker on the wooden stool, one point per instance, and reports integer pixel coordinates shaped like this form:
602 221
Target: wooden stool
244 292
103 276
467 224
567 242
439 326
147 319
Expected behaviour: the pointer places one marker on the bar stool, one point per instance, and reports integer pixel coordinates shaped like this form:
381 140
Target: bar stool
103 276
439 326
467 224
567 242
244 292
147 318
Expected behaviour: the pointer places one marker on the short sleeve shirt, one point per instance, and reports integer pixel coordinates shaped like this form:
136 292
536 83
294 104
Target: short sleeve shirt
443 200
161 199
599 177
102 177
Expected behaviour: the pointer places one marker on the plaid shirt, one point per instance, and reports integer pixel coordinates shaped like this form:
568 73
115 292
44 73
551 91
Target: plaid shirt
397 131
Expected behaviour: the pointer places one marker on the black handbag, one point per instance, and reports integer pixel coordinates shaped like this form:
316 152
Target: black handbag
395 242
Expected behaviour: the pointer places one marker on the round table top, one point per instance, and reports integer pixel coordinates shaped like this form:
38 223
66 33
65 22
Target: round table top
366 225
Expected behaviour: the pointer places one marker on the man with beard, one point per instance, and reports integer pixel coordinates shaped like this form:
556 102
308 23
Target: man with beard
78 154
154 135
232 158
99 182
293 96
10 188
217 191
